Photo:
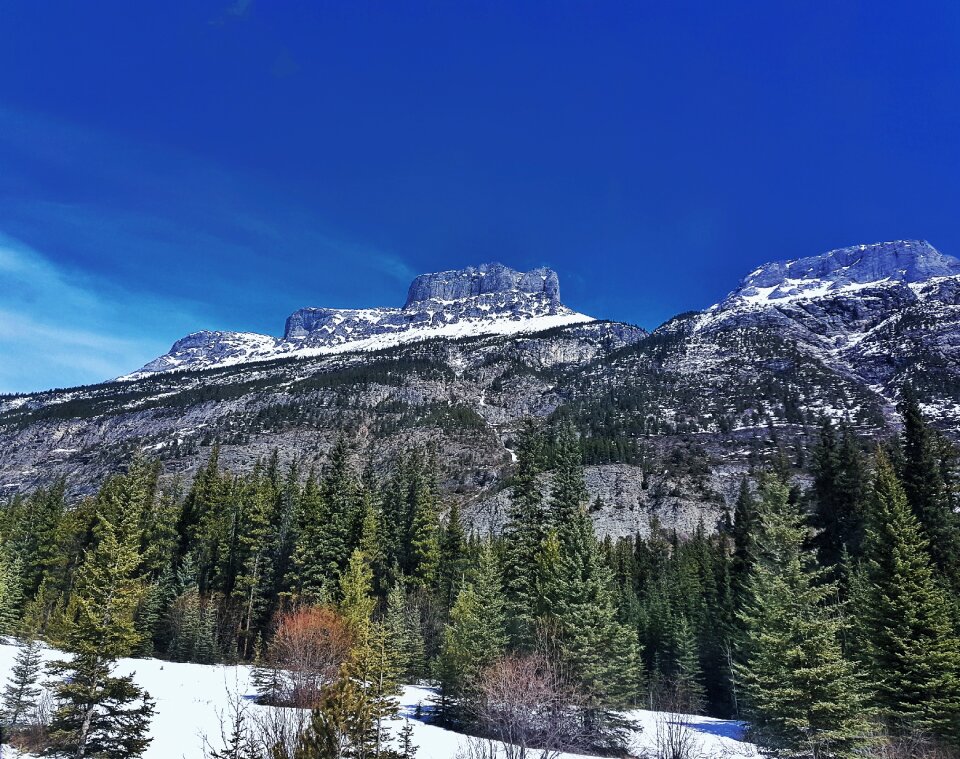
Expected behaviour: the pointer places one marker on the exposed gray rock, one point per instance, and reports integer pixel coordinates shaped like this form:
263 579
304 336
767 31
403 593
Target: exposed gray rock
490 299
485 279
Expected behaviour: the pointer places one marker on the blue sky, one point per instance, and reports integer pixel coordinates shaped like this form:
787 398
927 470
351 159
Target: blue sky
179 166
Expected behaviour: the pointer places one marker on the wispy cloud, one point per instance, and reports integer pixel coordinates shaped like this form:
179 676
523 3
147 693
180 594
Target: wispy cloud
63 327
133 245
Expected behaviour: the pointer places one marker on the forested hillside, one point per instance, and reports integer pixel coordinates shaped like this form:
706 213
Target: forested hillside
825 615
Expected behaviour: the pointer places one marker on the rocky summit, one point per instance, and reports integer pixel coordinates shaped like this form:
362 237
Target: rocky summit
488 299
670 420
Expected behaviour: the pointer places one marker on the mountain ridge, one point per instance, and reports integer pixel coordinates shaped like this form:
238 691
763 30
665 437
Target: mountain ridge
670 420
488 299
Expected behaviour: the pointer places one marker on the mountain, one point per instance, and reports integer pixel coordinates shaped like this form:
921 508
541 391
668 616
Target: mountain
490 299
670 419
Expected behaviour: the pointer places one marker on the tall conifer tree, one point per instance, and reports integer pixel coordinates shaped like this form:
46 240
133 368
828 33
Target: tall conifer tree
908 643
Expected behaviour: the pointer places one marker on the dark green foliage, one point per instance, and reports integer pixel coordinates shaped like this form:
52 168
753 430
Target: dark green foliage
523 535
906 637
839 491
144 568
22 693
98 714
576 601
928 463
804 697
476 633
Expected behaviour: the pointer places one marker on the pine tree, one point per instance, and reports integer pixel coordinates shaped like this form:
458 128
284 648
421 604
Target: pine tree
744 534
523 535
20 697
425 528
98 714
927 490
453 559
476 633
908 644
576 609
803 696
568 494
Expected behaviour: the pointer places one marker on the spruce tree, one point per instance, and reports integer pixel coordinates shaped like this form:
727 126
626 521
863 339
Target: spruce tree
523 534
98 714
927 489
576 610
688 675
744 534
576 598
201 524
908 644
424 549
476 633
313 577
11 590
21 696
256 549
365 697
356 587
402 625
568 494
238 741
803 697
453 559
839 490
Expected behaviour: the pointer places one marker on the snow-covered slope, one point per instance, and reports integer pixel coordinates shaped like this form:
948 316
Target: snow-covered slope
842 271
491 299
191 700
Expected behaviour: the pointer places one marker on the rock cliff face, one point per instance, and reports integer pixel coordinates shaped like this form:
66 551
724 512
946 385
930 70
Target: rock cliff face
484 280
489 299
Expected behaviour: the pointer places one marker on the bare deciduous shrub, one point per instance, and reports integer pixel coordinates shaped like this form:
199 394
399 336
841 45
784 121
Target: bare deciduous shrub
307 649
478 748
248 731
32 735
278 729
914 746
526 703
674 735
676 739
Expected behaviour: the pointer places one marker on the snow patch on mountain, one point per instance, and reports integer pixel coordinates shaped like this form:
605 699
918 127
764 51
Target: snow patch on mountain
488 300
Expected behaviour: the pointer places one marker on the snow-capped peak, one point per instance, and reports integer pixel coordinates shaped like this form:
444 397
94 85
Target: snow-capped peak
844 270
489 299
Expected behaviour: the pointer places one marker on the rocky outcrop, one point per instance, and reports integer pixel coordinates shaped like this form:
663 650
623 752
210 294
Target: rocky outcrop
489 299
486 279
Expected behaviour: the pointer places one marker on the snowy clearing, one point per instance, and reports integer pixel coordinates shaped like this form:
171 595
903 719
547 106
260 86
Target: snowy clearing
191 698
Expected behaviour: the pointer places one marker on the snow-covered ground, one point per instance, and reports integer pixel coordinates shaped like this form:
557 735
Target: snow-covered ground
191 699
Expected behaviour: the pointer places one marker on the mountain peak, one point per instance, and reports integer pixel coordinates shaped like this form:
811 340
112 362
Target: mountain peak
851 268
483 300
486 279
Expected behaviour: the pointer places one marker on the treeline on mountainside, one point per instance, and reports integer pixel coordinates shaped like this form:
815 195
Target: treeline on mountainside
827 618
